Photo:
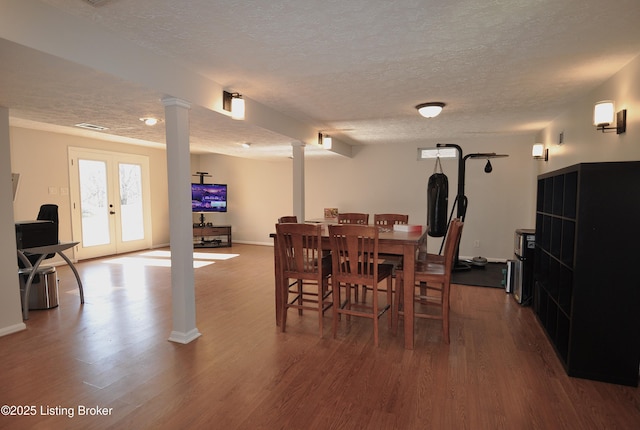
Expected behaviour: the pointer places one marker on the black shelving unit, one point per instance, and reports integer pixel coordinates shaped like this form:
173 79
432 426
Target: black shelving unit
587 268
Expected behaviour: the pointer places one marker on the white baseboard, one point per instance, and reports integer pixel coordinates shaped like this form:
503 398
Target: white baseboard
247 242
184 338
12 329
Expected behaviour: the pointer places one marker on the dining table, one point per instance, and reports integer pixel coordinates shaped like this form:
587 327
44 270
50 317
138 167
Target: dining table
390 241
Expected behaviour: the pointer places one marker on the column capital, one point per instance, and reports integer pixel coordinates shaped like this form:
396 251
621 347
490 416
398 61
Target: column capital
174 101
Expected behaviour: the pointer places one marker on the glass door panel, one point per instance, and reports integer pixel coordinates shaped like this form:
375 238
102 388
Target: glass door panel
94 202
131 207
111 207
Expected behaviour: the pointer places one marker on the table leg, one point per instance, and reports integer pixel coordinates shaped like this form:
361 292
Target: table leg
75 272
409 262
278 280
27 287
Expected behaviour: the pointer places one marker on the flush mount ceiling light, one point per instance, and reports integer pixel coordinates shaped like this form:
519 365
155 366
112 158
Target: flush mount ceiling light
234 103
246 145
603 116
150 121
431 109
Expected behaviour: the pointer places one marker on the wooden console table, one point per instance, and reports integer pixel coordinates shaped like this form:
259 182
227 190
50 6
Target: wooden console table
211 236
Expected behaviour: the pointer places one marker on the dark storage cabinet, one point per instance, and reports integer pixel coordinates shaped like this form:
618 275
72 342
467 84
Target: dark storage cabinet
587 268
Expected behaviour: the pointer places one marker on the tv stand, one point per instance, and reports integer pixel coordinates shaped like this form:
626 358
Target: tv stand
211 236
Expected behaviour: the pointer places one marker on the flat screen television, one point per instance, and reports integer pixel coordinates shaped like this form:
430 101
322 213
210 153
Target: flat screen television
208 198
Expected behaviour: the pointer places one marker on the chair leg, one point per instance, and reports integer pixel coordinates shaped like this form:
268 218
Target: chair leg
283 312
375 330
320 307
423 291
323 287
390 302
300 291
336 306
445 313
397 303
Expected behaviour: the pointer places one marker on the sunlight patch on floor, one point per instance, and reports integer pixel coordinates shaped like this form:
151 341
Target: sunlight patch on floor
163 259
196 255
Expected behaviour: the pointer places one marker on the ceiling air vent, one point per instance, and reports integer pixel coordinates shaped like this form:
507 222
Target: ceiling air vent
93 127
96 2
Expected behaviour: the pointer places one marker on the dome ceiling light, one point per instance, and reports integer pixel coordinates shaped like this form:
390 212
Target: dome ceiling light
431 109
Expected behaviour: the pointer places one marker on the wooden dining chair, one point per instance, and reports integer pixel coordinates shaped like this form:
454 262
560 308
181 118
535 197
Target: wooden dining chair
389 220
293 219
300 247
386 222
429 277
354 249
353 218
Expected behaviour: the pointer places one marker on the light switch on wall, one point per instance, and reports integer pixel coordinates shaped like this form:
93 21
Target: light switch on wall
53 190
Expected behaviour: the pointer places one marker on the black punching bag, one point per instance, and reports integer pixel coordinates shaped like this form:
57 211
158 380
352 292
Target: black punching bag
437 202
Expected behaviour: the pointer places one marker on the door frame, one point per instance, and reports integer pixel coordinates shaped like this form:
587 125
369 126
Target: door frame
114 159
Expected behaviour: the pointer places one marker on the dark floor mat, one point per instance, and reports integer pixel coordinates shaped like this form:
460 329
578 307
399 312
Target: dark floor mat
490 275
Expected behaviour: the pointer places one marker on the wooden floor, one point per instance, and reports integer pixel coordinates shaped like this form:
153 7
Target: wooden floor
499 372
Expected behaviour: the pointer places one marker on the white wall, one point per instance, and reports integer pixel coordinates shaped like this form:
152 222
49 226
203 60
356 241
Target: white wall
10 312
582 142
41 158
384 178
388 178
259 193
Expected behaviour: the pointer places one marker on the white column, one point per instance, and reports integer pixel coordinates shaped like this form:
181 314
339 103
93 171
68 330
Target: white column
10 313
183 301
298 180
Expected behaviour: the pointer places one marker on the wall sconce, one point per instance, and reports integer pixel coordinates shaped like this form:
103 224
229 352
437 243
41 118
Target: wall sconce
603 116
325 141
431 109
234 103
539 152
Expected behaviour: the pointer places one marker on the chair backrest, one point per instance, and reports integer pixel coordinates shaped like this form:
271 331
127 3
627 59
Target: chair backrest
288 218
354 249
300 247
353 218
390 219
48 212
451 245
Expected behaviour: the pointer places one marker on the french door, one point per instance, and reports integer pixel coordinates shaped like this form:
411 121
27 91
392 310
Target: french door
110 202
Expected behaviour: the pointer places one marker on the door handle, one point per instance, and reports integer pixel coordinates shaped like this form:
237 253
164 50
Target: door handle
112 213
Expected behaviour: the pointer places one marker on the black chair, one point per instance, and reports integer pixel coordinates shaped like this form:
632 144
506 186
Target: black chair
48 212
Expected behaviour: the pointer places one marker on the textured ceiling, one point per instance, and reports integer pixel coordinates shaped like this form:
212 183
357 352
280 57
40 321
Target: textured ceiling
355 68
